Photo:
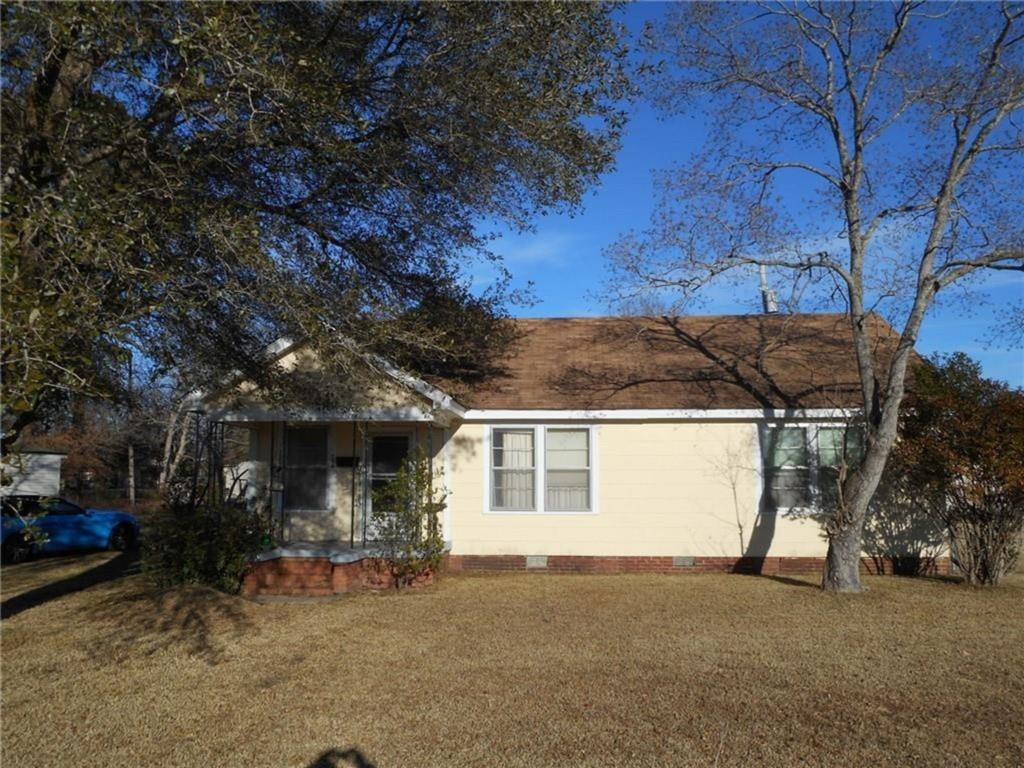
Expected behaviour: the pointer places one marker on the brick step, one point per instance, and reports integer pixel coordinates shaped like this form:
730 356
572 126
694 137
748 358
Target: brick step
296 567
294 580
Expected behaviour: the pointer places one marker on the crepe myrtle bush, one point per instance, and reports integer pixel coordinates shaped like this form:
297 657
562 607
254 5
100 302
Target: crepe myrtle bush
405 523
961 451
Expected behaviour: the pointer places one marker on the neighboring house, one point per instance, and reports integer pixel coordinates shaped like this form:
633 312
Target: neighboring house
608 444
33 473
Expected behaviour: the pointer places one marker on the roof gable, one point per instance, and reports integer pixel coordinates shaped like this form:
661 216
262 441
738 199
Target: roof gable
385 390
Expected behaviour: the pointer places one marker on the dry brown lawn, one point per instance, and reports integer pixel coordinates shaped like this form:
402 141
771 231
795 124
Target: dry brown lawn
523 670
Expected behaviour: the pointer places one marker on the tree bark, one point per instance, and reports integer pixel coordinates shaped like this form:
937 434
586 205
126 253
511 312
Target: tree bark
842 562
173 455
131 475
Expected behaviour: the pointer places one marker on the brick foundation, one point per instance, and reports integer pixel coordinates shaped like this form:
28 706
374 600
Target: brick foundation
770 566
316 577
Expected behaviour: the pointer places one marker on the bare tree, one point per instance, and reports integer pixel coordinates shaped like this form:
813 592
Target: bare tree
871 151
176 431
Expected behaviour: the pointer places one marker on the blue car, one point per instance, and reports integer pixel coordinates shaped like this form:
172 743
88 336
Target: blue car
65 527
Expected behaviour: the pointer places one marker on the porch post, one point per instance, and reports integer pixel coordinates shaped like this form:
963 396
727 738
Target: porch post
366 479
352 494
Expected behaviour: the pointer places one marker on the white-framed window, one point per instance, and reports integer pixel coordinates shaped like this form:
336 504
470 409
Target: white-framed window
514 469
802 464
541 469
787 469
567 469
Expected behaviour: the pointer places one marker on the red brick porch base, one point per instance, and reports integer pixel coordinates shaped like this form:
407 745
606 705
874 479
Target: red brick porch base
771 566
316 577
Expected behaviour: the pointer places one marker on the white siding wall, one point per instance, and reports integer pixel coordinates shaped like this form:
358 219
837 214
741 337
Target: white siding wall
34 473
663 488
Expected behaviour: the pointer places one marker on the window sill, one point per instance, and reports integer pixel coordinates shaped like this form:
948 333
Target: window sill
813 510
546 512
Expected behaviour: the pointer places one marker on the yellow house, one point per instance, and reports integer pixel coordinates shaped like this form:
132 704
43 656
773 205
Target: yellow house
610 444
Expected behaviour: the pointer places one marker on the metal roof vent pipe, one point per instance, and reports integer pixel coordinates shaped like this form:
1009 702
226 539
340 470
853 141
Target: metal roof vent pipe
769 301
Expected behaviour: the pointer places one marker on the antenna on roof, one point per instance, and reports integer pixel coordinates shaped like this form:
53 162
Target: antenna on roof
769 301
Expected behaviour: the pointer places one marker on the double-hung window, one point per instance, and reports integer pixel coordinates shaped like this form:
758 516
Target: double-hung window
787 467
802 465
567 470
513 470
541 469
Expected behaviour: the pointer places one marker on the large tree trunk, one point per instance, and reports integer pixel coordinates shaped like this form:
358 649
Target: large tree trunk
842 563
845 529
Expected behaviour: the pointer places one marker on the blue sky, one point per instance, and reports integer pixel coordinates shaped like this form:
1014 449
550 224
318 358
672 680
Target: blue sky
563 256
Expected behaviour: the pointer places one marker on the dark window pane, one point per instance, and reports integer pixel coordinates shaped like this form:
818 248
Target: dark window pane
837 445
787 447
306 446
789 488
388 453
305 488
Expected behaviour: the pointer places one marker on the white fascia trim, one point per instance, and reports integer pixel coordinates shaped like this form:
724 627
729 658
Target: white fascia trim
277 348
664 414
440 399
314 415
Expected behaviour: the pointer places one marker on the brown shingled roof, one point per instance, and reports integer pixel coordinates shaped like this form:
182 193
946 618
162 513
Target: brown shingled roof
725 361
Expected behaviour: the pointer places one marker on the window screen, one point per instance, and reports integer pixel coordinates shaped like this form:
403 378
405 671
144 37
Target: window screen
567 470
513 470
305 475
787 470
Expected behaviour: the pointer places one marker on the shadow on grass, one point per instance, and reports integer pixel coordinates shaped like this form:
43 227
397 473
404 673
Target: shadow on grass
942 578
342 758
115 568
780 579
198 620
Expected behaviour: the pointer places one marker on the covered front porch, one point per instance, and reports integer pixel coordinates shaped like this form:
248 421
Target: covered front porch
315 476
312 471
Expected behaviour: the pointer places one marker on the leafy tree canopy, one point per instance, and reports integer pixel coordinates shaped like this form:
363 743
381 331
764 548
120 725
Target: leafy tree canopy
196 179
961 460
961 427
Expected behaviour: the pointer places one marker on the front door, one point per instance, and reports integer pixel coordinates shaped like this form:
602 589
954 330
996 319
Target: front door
387 452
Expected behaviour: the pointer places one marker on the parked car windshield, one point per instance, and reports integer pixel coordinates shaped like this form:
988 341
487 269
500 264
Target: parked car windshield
60 507
34 506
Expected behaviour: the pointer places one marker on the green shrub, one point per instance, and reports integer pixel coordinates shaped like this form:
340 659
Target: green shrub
206 543
405 523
